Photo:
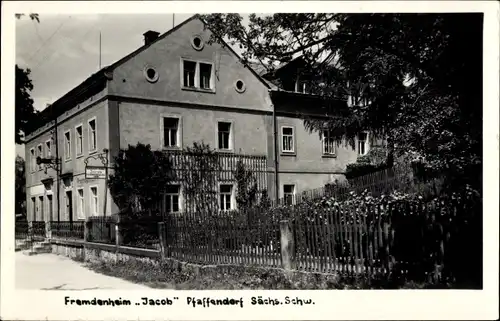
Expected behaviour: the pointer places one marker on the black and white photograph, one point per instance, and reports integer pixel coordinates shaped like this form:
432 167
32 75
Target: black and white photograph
249 151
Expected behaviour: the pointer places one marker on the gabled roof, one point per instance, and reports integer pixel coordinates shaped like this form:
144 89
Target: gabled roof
101 76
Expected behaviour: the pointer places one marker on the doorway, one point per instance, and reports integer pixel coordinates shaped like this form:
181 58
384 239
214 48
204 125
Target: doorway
69 205
40 204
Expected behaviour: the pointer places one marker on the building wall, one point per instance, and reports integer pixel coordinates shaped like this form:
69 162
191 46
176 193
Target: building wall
308 155
165 57
306 182
95 106
142 123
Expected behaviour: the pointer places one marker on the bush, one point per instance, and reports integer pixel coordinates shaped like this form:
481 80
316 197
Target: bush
417 224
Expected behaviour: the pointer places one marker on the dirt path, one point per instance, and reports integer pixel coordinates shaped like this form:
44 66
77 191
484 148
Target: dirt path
54 272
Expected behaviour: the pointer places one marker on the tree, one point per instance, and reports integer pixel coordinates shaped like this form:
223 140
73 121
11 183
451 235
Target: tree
20 191
140 177
200 177
32 16
404 76
25 112
246 187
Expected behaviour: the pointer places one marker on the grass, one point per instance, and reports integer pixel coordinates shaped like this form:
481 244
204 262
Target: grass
161 276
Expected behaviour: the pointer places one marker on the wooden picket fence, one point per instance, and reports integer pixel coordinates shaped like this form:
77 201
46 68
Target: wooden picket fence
413 240
223 239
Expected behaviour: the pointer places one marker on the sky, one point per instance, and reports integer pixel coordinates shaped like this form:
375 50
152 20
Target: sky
63 50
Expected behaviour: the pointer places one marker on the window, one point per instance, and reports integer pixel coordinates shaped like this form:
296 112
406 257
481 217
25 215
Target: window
48 151
289 194
197 43
81 204
67 145
79 140
362 143
287 139
94 200
239 85
170 131
150 74
328 143
39 154
172 195
205 76
92 136
32 160
189 73
224 135
197 75
226 195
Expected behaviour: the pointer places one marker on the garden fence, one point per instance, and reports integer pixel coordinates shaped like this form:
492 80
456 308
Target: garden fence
101 229
67 230
228 238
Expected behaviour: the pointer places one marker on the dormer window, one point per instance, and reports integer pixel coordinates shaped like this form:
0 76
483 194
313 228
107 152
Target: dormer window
301 86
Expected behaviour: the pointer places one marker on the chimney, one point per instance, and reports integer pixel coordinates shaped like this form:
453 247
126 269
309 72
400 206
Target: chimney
150 36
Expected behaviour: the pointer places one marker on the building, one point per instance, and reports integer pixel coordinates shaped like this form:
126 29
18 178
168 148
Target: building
174 90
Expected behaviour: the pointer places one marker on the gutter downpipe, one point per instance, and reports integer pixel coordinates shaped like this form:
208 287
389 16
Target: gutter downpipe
275 143
58 169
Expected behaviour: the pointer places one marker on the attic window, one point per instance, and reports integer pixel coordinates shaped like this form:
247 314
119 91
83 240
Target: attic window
151 74
197 43
239 86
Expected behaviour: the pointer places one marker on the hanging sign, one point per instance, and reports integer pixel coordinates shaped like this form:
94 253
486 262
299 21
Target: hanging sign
95 172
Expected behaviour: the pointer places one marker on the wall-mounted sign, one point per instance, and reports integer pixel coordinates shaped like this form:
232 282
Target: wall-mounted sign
95 172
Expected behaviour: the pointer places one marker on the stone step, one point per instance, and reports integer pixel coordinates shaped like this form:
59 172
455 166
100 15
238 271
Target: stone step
38 250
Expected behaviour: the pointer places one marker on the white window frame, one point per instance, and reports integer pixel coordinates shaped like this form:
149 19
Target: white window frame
67 154
79 154
232 196
39 153
179 131
89 133
367 143
197 85
94 211
80 214
180 200
48 148
294 194
231 135
324 139
32 160
283 150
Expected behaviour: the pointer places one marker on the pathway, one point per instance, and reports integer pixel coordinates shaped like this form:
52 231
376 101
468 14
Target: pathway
54 272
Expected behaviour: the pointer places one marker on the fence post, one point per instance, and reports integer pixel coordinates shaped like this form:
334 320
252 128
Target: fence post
162 233
118 237
287 245
86 229
48 231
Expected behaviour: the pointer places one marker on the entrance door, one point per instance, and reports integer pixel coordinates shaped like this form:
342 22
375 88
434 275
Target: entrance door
69 205
40 206
33 208
50 206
